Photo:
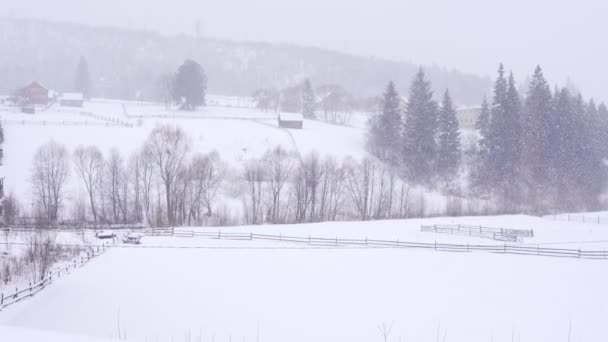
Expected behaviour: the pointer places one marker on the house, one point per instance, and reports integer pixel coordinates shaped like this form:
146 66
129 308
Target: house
291 120
71 100
35 94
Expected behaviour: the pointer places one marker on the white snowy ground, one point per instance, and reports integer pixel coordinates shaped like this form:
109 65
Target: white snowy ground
239 290
547 233
237 134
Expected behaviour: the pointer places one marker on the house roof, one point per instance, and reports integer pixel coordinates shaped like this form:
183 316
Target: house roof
72 96
35 84
291 117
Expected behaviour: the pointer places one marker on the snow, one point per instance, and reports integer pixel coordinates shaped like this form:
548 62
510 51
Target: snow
547 233
222 290
238 134
320 295
30 335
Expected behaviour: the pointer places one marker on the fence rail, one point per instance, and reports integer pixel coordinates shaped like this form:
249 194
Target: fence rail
71 228
7 299
64 123
498 234
379 243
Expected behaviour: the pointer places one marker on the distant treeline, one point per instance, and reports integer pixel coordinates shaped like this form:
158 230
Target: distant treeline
128 64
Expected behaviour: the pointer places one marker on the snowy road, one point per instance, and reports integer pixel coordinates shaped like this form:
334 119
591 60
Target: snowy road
321 295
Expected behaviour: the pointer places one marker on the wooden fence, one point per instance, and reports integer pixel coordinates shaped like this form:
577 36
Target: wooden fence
380 243
65 123
70 227
580 218
7 299
498 234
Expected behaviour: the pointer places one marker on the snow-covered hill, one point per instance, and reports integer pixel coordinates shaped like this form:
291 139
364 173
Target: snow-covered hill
237 134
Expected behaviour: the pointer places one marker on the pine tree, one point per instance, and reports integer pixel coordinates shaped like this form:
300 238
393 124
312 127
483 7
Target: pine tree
504 139
483 121
308 100
602 114
448 144
190 85
385 129
536 136
419 131
82 82
480 171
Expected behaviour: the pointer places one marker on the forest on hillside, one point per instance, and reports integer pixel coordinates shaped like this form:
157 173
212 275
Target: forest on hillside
127 64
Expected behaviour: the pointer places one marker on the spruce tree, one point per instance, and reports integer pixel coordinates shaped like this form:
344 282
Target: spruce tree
480 168
448 139
419 131
82 82
385 131
504 139
602 114
308 100
536 139
190 85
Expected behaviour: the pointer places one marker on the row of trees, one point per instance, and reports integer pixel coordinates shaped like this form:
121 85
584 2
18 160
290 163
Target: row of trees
166 183
119 191
544 151
540 152
422 141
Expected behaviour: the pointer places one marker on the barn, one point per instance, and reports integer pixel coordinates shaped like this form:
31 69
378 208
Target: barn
291 120
71 100
35 94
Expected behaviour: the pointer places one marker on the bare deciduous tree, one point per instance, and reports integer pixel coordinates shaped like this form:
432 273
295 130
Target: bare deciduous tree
116 186
168 146
49 174
280 164
255 175
89 164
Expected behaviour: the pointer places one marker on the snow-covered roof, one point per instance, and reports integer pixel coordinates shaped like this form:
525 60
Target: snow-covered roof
291 117
72 96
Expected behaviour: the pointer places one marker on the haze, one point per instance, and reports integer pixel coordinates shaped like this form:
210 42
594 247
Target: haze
469 35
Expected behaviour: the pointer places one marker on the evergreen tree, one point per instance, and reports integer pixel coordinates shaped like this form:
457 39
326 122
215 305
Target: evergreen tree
536 136
419 131
82 82
190 85
602 114
504 139
483 121
448 144
308 100
385 129
480 168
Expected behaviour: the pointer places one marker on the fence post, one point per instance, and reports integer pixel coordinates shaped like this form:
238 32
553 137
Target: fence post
366 242
251 236
435 244
1 299
505 250
579 252
336 240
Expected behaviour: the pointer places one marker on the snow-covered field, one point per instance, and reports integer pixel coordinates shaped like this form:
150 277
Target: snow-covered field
237 133
220 290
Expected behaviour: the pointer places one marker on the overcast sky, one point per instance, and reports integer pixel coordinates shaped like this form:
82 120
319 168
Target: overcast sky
568 38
